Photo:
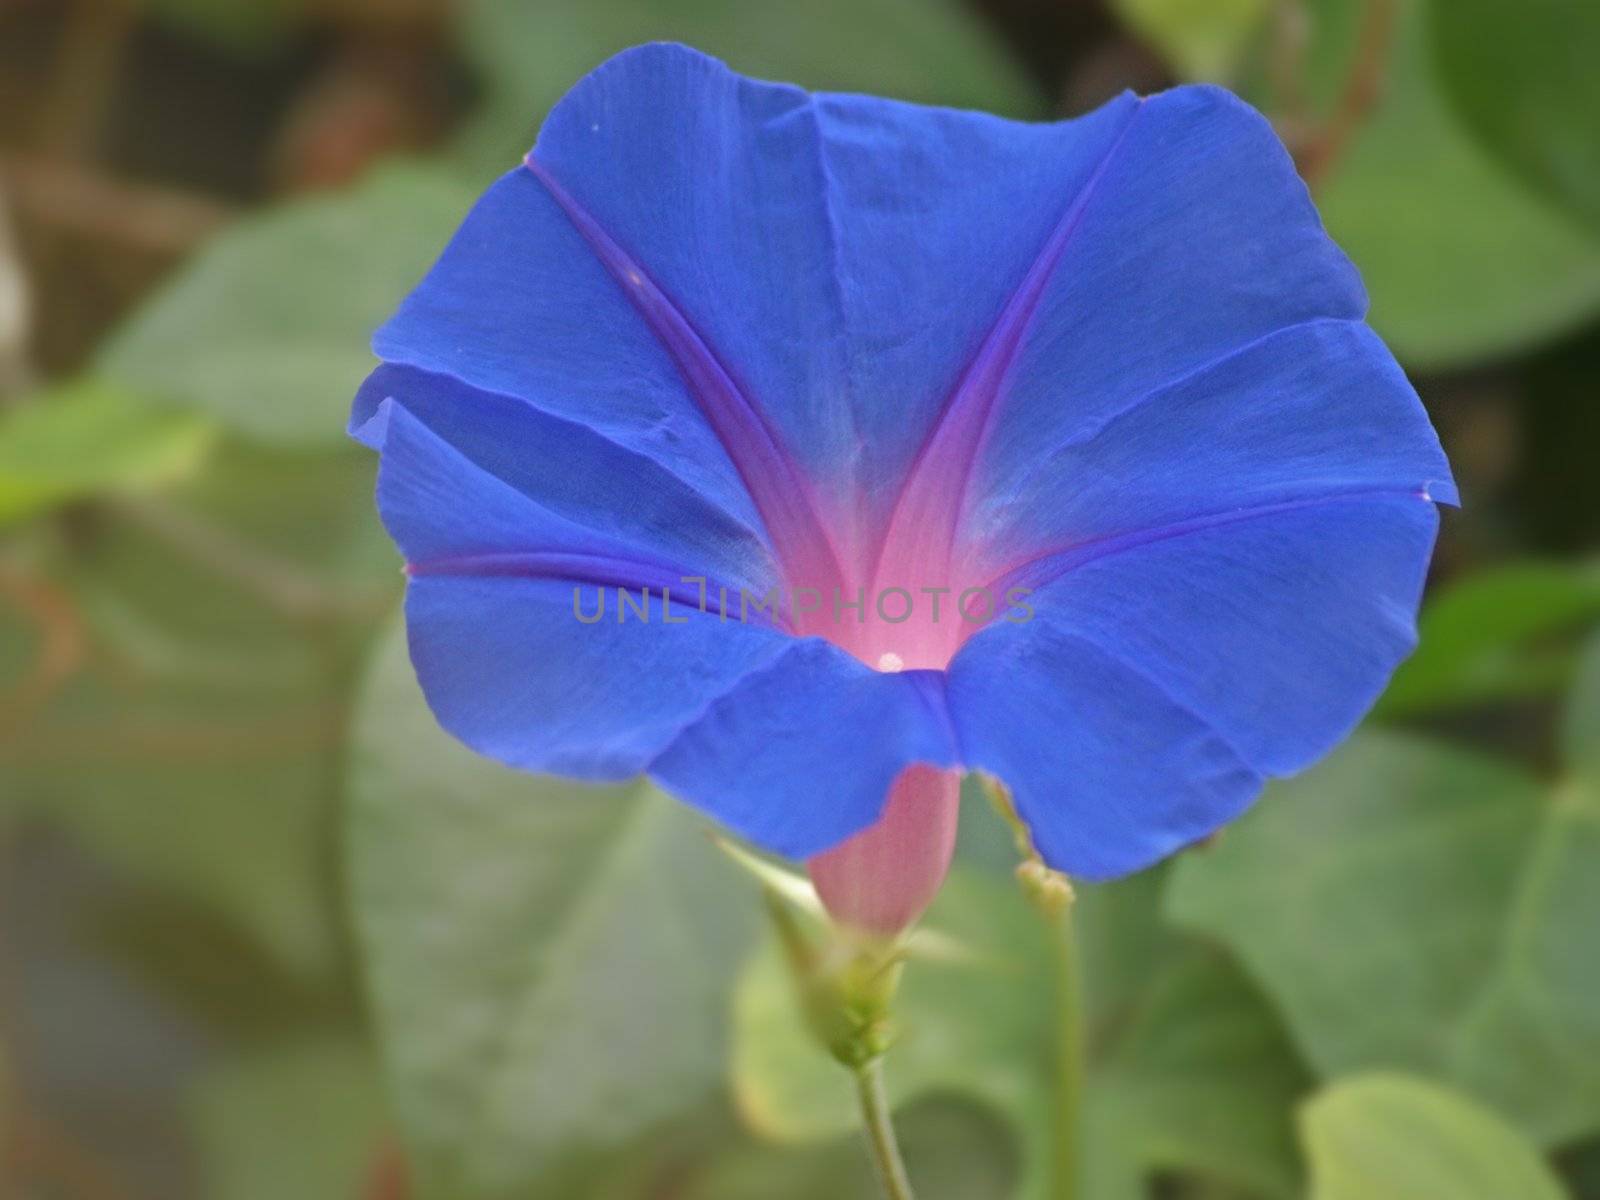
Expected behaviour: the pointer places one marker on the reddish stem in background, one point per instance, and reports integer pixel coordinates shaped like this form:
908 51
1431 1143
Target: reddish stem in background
62 645
388 1173
1362 89
289 589
1286 63
83 200
41 1152
90 57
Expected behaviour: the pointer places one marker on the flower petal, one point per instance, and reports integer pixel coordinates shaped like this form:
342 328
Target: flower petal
1108 771
1159 674
720 327
508 669
1200 240
492 610
1315 410
719 273
665 228
518 306
571 471
946 228
801 754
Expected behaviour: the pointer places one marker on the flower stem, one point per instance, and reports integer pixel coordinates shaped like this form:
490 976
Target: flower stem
1069 1059
880 1131
1051 895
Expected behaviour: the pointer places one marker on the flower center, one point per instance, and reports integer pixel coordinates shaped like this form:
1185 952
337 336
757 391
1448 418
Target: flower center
907 621
923 594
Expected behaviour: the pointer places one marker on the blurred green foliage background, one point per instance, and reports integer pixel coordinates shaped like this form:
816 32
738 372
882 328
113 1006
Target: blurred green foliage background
266 933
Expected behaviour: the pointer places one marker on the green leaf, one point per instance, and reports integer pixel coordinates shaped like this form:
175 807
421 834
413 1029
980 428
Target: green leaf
1199 1076
303 1118
1522 77
529 52
1580 731
1202 39
548 962
1390 1137
203 959
88 437
193 739
1413 906
1463 261
267 329
1580 1166
1126 946
1496 635
1200 1082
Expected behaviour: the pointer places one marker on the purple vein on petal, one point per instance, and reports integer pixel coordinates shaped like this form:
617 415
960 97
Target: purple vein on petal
780 491
587 570
934 492
1046 568
1087 435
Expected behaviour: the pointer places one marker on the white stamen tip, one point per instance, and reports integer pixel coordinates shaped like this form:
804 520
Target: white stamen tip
891 661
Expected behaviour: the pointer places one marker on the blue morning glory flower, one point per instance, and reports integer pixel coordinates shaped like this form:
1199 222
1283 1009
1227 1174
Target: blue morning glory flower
926 440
